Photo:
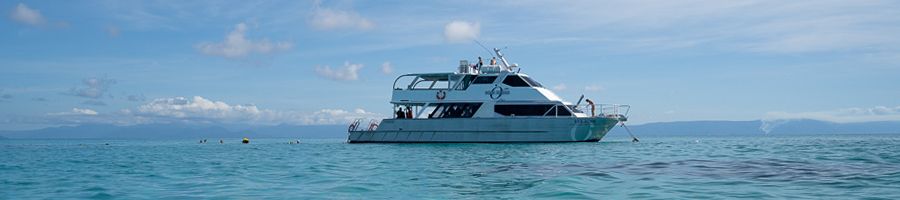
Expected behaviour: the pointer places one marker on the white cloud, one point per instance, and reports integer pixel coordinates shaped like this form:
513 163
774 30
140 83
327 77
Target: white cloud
23 14
387 68
84 111
76 111
200 110
461 31
348 73
337 116
560 87
878 113
237 45
329 19
197 107
94 87
593 88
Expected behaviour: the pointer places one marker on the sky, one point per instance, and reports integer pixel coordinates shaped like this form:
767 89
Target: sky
328 62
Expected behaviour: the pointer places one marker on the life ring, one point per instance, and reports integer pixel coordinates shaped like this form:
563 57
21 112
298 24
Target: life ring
441 94
353 126
498 91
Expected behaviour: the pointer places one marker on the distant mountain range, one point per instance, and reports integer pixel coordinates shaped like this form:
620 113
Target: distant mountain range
213 131
758 127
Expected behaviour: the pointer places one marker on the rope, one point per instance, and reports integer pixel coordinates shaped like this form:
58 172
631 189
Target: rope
633 139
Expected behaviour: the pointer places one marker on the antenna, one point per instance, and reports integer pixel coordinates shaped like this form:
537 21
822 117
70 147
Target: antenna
482 46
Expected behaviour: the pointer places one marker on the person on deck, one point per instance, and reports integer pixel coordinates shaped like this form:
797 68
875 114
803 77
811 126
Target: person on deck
493 60
478 65
409 114
400 114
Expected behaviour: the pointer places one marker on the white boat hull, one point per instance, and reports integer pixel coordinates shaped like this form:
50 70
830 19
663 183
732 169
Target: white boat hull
488 130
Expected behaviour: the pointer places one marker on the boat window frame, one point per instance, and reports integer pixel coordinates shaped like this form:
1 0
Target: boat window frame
493 79
515 81
465 82
531 82
442 81
537 110
556 111
563 108
552 110
462 110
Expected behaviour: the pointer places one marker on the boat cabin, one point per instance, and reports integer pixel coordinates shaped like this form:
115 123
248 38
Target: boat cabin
476 91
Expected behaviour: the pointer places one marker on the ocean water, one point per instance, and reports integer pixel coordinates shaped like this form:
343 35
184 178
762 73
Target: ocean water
764 167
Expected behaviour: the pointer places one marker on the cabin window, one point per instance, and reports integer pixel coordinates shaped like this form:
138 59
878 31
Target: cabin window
532 82
484 80
455 110
523 109
515 81
561 111
465 82
430 85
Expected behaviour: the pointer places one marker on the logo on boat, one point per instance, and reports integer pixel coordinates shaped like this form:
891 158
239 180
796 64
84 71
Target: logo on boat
497 92
441 94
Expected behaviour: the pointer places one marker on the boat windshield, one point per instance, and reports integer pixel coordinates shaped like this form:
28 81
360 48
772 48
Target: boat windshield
484 80
423 82
532 82
515 81
520 81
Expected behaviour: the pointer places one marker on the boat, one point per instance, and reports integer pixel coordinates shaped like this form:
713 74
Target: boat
485 103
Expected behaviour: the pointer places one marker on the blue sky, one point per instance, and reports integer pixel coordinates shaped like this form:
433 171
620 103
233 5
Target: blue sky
325 62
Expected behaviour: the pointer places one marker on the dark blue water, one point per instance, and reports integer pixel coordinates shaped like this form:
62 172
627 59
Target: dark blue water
810 167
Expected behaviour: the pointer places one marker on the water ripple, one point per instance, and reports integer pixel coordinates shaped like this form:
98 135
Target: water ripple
851 167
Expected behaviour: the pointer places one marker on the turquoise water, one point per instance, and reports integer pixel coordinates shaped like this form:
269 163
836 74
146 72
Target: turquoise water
811 167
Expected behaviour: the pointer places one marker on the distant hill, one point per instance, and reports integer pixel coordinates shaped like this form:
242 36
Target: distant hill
212 131
823 127
757 127
694 128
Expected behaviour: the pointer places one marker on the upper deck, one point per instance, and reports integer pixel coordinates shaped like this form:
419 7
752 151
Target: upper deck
469 86
472 83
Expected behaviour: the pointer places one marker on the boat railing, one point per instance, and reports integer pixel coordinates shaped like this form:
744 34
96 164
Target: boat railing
356 125
490 69
607 110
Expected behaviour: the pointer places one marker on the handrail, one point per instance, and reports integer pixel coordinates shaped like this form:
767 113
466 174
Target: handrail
356 125
608 109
